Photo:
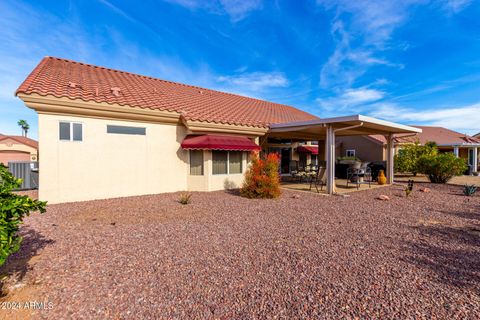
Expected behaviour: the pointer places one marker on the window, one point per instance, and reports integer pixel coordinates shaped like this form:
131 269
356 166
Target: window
225 162
70 131
350 153
314 159
220 160
196 162
126 130
234 162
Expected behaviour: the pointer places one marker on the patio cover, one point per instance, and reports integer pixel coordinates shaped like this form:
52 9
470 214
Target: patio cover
308 149
218 142
355 125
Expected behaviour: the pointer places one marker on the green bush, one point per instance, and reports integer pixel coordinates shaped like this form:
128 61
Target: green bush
13 208
408 156
440 168
262 179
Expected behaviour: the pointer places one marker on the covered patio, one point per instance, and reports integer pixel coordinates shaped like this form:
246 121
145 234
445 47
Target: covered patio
327 129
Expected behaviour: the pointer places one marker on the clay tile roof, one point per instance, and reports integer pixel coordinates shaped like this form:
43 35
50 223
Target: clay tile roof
440 135
75 80
23 140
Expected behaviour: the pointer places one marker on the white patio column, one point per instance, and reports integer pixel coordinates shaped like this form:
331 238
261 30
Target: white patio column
475 159
330 157
455 151
390 157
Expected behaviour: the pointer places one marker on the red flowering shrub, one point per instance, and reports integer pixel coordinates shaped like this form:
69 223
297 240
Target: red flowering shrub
262 179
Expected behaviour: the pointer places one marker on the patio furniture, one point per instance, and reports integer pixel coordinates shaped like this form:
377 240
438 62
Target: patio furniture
363 175
318 179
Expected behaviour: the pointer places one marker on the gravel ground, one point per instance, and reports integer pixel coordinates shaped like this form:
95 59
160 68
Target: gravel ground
223 256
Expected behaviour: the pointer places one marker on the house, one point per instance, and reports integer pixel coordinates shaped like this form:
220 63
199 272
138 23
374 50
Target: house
477 135
17 148
373 147
106 133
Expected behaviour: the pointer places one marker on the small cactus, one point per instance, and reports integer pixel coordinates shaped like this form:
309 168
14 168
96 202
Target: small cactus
409 188
469 190
185 198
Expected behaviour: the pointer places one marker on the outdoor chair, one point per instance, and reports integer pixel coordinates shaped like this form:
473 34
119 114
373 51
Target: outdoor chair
359 176
318 179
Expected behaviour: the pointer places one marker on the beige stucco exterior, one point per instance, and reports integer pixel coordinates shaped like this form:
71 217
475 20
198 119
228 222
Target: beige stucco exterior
365 148
105 165
109 165
212 182
12 150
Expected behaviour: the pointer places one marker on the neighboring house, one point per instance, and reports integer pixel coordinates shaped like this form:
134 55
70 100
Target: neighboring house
106 133
477 135
17 148
373 147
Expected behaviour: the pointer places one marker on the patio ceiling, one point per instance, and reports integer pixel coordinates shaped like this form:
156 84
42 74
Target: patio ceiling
344 126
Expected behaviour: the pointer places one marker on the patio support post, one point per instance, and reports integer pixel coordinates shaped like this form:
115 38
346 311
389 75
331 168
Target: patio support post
455 151
390 154
330 157
475 159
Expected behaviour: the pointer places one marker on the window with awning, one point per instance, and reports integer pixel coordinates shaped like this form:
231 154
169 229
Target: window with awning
219 142
308 149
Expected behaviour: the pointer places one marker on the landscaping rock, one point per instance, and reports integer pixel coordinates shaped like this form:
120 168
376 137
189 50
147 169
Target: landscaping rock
227 257
383 197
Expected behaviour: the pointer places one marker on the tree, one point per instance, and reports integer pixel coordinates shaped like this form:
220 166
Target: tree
407 158
24 125
13 208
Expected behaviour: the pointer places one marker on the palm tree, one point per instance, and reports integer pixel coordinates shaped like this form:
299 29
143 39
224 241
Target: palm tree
24 125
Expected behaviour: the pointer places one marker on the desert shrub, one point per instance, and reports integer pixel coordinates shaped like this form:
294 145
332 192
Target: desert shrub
469 190
407 158
185 198
262 179
13 208
440 168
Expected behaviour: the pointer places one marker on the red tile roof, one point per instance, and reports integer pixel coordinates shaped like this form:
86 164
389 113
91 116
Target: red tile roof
20 139
440 135
75 80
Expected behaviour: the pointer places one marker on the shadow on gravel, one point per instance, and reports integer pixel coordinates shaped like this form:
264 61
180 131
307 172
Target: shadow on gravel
454 257
471 215
17 265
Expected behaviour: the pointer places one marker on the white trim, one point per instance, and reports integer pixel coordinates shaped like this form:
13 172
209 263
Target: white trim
71 130
353 118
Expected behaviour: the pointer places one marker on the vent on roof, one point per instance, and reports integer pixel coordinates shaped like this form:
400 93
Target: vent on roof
115 91
74 85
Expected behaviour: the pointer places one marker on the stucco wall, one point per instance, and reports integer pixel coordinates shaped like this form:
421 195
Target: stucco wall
109 165
213 182
365 149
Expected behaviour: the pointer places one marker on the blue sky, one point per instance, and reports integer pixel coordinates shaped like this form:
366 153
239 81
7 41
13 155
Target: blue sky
410 61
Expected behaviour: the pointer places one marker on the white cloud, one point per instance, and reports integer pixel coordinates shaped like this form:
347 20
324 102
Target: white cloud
465 119
456 6
362 30
255 81
235 9
350 98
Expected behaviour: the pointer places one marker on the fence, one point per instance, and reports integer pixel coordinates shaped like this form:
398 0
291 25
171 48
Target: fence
27 171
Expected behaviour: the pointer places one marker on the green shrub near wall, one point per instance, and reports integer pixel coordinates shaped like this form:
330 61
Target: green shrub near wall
407 159
13 208
440 168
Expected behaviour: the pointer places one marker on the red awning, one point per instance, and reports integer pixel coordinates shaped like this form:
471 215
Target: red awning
308 149
216 142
